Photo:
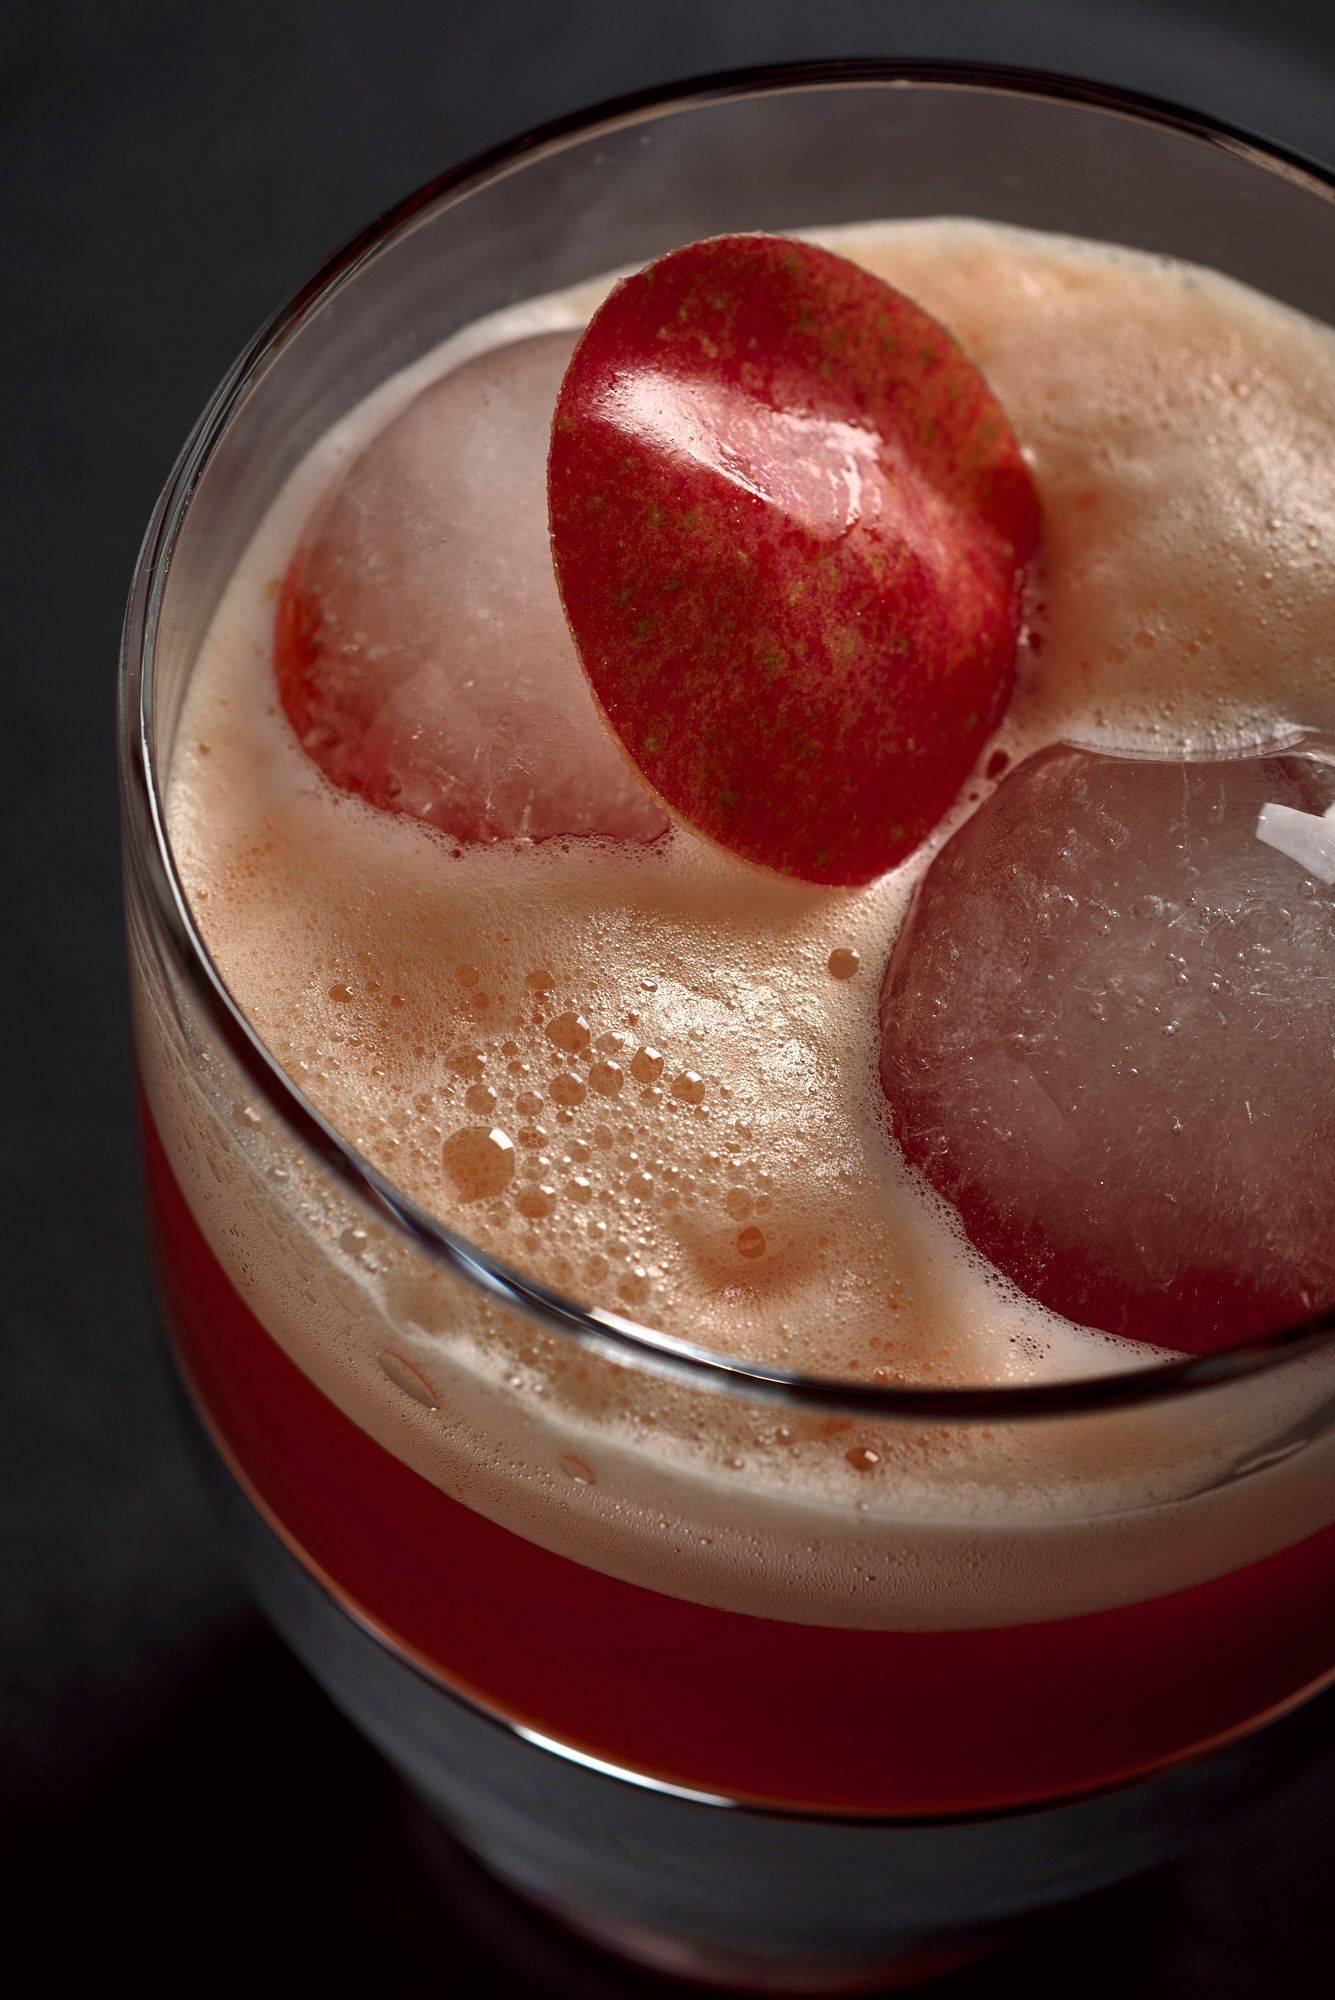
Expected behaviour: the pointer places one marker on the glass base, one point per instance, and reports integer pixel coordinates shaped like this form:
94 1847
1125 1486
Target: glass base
698 1890
588 1956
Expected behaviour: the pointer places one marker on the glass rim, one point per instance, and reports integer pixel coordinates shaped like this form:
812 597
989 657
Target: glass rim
148 852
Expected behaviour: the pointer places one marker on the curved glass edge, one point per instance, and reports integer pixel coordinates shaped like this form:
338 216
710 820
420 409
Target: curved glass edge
151 866
222 1468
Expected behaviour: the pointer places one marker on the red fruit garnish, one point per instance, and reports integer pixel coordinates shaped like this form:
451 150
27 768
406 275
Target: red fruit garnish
789 522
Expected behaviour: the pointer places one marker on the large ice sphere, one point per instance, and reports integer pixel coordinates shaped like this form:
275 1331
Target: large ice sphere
421 650
1108 1039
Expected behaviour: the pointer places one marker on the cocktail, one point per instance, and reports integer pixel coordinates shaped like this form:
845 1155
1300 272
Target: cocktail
754 1264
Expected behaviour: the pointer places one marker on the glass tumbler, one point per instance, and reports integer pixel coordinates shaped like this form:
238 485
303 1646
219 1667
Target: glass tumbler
502 1526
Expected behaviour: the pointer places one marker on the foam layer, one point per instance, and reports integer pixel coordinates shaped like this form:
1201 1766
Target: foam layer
680 1054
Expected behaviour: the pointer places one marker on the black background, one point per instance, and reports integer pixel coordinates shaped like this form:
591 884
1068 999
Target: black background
189 1803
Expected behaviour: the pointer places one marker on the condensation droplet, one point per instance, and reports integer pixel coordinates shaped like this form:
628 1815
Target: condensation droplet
576 1469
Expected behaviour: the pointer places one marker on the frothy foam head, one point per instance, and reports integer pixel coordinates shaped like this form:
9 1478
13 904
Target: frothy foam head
650 1075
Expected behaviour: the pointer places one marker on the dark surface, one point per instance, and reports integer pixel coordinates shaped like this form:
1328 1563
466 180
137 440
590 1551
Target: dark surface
169 173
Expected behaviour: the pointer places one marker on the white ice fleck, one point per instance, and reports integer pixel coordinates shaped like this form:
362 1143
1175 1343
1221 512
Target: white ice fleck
1307 838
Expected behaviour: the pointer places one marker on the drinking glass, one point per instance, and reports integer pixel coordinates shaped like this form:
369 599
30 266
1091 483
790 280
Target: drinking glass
573 1574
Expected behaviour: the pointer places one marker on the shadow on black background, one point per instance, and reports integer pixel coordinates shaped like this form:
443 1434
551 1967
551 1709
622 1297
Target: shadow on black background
253 1815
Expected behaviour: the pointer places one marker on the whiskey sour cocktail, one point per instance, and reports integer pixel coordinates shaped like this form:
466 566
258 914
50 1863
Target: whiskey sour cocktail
780 805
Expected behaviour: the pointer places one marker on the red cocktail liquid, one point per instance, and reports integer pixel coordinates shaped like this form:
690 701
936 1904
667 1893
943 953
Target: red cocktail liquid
915 1724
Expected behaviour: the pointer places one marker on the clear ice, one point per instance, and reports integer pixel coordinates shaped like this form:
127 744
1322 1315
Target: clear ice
1108 1039
439 676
